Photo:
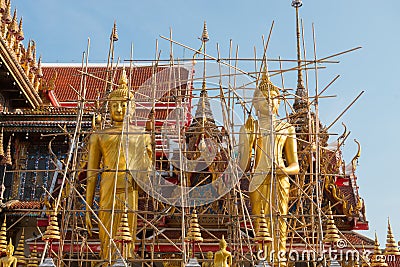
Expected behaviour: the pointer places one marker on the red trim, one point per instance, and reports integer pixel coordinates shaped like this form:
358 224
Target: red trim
53 98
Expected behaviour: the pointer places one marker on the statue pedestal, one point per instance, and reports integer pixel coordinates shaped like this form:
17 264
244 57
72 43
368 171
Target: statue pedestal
192 263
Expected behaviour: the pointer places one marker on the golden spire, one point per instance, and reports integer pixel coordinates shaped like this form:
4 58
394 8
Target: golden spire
332 233
262 232
8 155
123 232
1 142
52 230
13 26
6 15
365 262
33 62
20 34
28 55
391 246
194 234
33 259
3 236
377 259
39 72
20 251
2 6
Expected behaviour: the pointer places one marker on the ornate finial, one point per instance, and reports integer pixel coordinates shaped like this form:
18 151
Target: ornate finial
123 232
33 63
33 259
262 232
13 26
377 259
52 230
194 234
204 36
332 233
297 3
114 33
28 53
20 251
39 72
355 158
301 100
20 34
391 246
2 6
1 142
6 18
8 153
3 236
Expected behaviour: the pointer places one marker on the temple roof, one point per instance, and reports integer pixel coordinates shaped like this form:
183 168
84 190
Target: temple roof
67 82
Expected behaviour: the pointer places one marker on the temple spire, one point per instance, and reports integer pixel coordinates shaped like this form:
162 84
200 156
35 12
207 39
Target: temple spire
3 236
20 251
301 101
203 110
377 259
332 233
391 246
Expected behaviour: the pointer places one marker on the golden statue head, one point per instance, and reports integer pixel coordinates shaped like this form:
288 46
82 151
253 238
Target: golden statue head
222 243
10 248
210 255
121 100
266 95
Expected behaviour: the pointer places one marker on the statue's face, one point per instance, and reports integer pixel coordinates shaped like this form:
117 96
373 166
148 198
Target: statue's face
9 251
118 109
265 106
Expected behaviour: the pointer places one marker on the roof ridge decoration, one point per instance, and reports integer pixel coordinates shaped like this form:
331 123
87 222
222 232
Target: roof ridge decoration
16 57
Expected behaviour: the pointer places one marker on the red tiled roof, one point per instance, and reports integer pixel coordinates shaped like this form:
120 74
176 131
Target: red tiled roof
69 79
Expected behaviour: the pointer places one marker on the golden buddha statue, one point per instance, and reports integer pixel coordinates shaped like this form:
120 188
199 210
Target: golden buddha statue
222 258
121 151
274 142
209 263
9 260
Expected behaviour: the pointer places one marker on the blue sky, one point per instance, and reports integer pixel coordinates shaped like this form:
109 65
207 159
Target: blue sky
61 29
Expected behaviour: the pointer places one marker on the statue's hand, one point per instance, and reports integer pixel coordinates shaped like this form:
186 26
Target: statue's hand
88 221
281 170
